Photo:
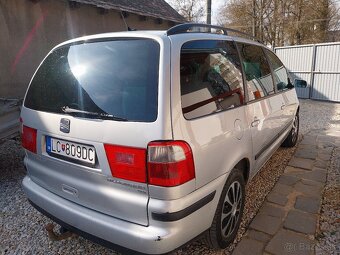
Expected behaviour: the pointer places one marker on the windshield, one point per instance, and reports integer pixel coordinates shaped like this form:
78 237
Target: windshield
117 78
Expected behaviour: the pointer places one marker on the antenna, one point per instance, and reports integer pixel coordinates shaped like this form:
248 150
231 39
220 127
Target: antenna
126 25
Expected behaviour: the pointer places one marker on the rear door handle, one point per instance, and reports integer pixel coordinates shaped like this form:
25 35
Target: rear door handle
283 106
256 122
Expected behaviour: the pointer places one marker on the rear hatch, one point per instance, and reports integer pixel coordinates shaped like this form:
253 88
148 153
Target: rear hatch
95 106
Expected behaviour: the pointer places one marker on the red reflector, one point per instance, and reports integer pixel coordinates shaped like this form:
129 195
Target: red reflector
127 162
170 163
29 139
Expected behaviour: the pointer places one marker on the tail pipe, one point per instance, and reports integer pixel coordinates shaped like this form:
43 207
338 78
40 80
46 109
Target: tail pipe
53 236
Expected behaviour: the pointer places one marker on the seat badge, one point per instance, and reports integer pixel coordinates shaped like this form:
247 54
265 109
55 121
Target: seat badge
65 125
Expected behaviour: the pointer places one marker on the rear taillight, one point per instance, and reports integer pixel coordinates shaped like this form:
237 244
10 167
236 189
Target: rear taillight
170 163
127 162
29 138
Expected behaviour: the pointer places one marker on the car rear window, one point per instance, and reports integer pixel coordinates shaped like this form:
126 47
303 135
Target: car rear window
112 78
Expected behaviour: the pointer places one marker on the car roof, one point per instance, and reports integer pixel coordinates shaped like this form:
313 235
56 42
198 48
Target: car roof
160 35
124 34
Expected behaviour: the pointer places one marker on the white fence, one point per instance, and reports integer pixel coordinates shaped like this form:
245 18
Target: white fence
318 64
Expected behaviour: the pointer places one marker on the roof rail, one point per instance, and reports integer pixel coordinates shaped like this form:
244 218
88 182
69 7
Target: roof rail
184 28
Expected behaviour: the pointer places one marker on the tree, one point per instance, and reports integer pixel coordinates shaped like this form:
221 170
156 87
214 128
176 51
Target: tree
191 10
282 22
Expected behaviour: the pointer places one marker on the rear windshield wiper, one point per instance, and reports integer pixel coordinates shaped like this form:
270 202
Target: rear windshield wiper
93 115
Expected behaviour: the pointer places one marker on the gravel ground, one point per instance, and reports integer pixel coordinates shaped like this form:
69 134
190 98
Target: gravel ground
318 115
328 237
22 227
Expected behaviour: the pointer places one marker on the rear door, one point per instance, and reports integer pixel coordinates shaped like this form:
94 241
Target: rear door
95 107
264 106
208 100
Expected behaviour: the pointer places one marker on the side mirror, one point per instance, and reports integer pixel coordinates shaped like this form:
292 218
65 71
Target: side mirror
289 84
300 83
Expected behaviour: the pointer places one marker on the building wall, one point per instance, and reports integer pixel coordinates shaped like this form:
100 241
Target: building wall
30 29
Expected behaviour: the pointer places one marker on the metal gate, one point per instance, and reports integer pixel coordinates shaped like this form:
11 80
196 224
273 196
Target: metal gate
318 64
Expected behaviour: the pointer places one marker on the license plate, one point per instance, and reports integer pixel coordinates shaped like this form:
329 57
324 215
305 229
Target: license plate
71 150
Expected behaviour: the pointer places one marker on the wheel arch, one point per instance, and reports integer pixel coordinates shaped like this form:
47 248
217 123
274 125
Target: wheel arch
244 166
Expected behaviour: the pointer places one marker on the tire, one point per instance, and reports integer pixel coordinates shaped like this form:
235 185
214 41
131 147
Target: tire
216 237
292 138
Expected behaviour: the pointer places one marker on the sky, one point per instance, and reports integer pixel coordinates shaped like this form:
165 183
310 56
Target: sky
215 6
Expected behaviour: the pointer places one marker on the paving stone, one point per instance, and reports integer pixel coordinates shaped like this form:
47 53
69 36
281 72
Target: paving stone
248 247
257 235
288 179
327 151
315 175
277 198
315 132
322 144
308 146
310 140
308 190
321 163
328 146
306 153
265 223
307 204
293 170
272 210
320 169
323 156
317 185
300 222
282 189
324 138
332 132
301 163
289 243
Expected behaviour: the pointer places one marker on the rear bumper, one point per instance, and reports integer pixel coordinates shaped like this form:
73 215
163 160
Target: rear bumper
159 237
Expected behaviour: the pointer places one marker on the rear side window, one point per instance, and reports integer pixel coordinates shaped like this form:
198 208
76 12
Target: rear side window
279 71
211 77
108 78
259 80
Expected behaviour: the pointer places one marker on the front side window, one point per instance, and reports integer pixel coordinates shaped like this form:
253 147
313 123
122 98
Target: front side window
259 81
99 79
279 72
211 78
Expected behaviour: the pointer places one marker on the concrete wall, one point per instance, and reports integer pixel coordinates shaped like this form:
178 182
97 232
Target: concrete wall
29 29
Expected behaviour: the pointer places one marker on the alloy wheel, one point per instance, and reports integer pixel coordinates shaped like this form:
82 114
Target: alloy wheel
295 128
231 209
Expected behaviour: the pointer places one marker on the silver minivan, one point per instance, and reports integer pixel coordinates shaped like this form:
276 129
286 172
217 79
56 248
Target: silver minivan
146 139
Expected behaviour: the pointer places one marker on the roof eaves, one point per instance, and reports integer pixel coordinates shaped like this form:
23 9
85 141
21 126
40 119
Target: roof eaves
131 10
